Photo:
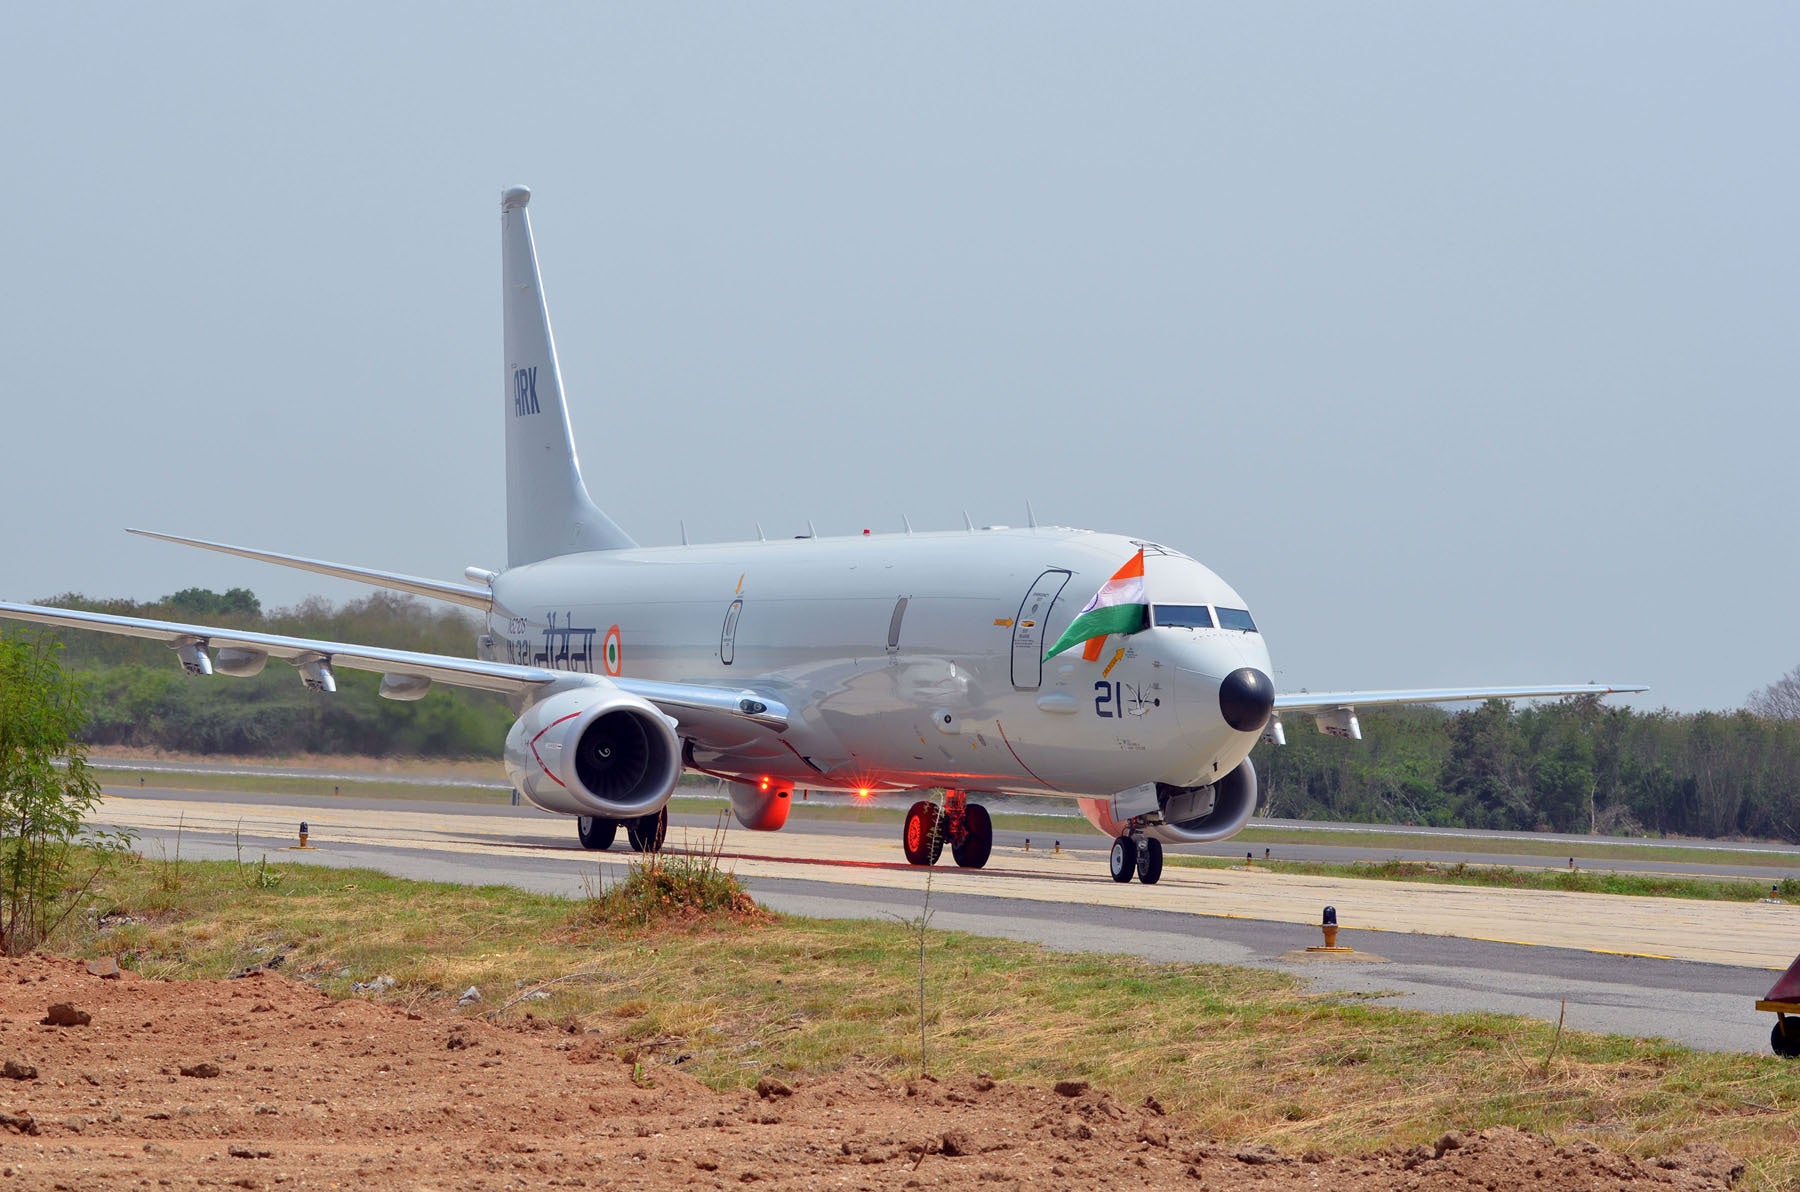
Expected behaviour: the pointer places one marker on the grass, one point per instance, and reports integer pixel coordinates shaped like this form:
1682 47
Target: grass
1399 841
670 889
253 787
1653 885
1241 1054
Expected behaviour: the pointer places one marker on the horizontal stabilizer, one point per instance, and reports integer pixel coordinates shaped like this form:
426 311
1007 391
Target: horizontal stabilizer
473 597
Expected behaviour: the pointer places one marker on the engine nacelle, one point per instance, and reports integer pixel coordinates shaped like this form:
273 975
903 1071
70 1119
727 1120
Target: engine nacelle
761 806
594 750
1193 814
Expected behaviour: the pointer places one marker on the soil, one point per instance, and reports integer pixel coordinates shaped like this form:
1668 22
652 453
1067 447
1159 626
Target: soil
264 1082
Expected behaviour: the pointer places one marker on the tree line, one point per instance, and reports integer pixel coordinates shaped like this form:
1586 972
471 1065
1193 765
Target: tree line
1580 765
138 696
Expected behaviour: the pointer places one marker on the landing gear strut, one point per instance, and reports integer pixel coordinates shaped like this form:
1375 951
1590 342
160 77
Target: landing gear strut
966 826
1142 856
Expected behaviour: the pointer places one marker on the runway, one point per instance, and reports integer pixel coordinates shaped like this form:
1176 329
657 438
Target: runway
1682 969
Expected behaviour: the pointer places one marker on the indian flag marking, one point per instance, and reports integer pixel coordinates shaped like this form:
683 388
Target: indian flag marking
1118 607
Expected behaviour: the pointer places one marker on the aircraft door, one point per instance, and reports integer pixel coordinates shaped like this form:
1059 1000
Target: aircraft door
728 634
1028 628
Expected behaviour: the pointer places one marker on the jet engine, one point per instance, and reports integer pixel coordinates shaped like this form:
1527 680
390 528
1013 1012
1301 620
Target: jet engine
761 806
1190 814
594 750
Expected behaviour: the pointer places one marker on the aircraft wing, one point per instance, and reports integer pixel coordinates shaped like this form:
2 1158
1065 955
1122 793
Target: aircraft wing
1317 701
693 704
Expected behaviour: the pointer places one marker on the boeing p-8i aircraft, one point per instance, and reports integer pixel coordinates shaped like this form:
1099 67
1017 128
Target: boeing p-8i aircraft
1106 669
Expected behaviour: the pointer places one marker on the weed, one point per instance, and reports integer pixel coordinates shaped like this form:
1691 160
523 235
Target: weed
665 887
168 873
256 877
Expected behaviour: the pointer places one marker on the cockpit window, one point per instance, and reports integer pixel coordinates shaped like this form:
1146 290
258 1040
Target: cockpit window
1182 616
1236 618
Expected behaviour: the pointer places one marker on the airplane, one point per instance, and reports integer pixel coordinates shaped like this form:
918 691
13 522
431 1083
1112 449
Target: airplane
891 662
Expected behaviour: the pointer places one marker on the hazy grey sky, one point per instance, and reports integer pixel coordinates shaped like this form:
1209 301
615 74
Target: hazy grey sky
1460 339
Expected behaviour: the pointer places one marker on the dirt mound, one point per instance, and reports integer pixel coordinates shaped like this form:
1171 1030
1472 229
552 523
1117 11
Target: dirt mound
266 1083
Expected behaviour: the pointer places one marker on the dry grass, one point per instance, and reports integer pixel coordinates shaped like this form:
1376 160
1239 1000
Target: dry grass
1239 1053
666 889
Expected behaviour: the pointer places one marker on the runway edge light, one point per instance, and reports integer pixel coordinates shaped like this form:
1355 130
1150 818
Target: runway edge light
1328 924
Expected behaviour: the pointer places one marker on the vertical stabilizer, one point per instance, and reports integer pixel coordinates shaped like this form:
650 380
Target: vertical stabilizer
548 510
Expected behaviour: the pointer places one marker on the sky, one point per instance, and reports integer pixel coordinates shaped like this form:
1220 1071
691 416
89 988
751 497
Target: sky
1460 339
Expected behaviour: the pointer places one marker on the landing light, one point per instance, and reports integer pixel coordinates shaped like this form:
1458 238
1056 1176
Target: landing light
863 792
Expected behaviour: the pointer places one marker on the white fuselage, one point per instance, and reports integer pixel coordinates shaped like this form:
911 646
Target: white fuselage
907 660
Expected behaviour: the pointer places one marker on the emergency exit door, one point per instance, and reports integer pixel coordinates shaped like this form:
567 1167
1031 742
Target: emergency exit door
1028 628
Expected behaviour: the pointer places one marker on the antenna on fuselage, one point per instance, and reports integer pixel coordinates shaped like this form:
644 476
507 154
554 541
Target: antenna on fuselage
759 533
684 540
968 521
906 523
1030 517
810 532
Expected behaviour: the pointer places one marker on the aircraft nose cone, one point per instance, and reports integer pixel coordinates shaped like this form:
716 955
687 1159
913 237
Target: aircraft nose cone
1246 697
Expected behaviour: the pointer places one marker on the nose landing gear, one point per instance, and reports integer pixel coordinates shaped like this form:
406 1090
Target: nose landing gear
1137 854
966 826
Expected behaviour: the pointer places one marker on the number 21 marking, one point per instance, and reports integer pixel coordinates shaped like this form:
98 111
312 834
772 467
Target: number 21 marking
1108 700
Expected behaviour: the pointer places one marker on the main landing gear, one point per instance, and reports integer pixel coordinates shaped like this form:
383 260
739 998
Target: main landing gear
966 826
1142 855
645 832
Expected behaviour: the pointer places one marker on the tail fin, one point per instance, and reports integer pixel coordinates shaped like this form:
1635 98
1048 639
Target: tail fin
548 510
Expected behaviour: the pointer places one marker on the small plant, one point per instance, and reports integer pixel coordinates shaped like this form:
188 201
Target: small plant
264 876
257 877
920 925
46 791
168 873
670 887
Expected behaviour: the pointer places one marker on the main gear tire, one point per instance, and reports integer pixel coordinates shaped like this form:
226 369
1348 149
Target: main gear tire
646 832
1150 861
596 831
923 836
977 843
1124 858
